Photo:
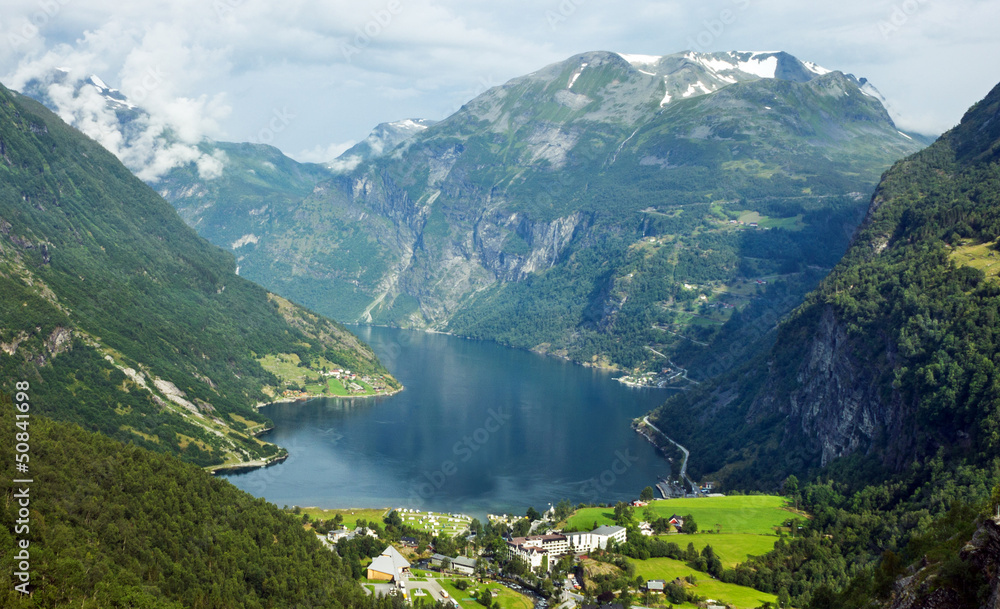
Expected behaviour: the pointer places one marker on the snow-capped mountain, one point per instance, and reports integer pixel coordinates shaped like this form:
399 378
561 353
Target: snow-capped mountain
115 98
150 146
383 138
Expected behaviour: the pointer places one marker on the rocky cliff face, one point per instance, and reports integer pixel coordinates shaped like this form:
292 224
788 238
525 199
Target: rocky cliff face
925 587
891 358
597 177
838 405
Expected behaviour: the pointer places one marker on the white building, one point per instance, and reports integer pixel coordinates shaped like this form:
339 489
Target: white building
533 549
596 539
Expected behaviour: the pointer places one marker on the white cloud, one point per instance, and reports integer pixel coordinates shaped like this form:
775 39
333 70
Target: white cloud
427 57
323 154
150 144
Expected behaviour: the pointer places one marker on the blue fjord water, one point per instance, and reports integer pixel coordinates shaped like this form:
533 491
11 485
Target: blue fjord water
479 429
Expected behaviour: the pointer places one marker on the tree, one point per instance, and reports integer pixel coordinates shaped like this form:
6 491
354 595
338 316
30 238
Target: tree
623 513
791 488
445 564
476 527
532 514
649 514
394 519
521 527
646 494
690 526
563 509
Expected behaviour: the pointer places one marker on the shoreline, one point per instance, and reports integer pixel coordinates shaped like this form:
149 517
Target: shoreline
599 366
304 398
248 466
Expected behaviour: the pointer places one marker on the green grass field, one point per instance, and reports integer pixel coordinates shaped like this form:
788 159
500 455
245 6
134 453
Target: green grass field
508 598
350 515
752 514
982 256
731 548
793 223
286 367
669 569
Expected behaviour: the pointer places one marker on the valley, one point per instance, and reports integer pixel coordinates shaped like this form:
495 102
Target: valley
565 211
791 297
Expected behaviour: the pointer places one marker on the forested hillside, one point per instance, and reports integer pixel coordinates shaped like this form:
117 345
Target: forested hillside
114 525
881 390
123 319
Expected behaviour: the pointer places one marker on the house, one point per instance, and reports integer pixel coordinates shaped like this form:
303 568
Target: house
676 521
409 542
656 585
638 503
337 535
390 566
461 564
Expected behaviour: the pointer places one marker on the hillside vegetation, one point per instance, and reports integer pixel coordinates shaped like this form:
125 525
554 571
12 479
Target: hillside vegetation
122 318
118 526
882 389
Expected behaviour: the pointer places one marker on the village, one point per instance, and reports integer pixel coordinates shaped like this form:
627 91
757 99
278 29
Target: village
620 556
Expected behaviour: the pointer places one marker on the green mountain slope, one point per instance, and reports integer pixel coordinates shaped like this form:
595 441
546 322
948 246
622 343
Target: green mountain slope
118 526
124 319
259 188
893 359
598 207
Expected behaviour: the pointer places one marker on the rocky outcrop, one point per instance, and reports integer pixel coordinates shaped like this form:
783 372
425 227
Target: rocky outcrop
924 587
838 406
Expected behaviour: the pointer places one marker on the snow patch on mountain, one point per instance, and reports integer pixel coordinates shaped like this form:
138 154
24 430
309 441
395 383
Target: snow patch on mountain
765 67
640 60
812 67
245 240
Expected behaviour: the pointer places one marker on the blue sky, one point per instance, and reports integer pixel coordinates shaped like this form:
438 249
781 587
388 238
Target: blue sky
313 77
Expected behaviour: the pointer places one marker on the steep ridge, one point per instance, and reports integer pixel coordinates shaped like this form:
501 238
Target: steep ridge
118 526
122 318
892 360
598 206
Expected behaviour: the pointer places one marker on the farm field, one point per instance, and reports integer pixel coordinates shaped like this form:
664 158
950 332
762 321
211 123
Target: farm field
731 548
982 256
747 514
669 569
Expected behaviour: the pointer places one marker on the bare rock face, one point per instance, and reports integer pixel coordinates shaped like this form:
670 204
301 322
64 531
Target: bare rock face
837 405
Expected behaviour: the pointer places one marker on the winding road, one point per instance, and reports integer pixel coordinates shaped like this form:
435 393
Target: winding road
687 453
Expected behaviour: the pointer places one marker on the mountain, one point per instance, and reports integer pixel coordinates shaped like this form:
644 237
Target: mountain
258 188
127 322
892 360
383 138
605 208
599 207
880 393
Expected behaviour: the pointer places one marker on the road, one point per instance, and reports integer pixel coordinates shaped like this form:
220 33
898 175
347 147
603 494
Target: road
684 372
687 453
